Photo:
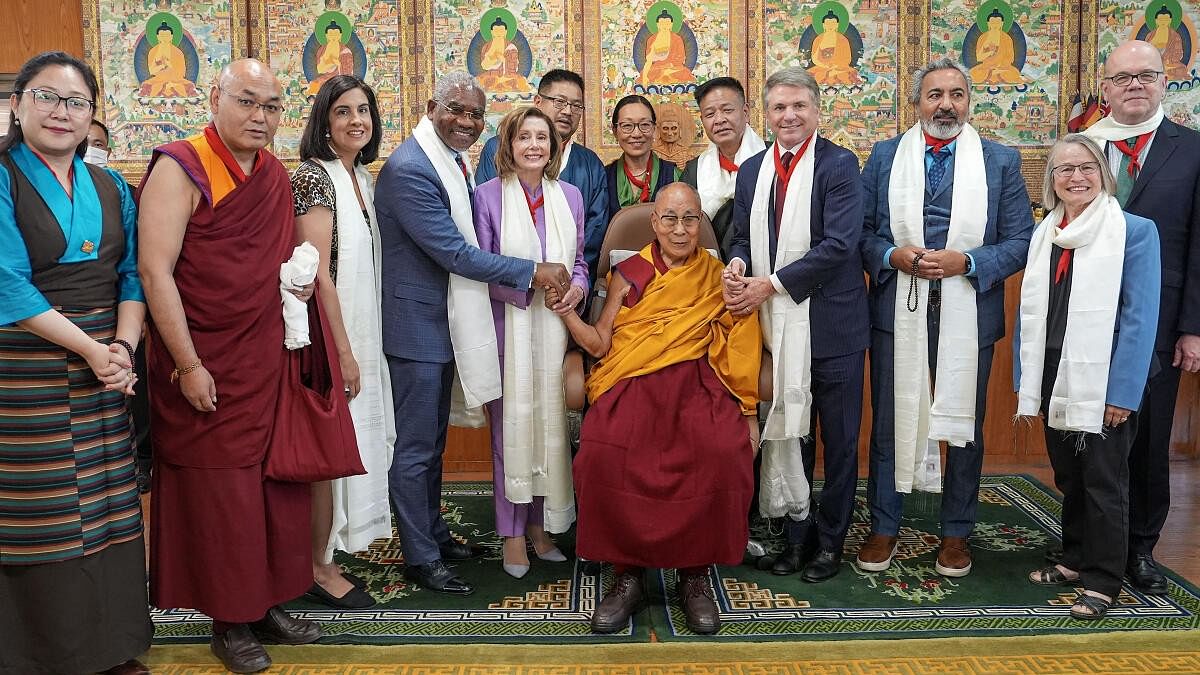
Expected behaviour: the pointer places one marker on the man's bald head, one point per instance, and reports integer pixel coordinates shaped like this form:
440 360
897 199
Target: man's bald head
676 221
1136 101
246 102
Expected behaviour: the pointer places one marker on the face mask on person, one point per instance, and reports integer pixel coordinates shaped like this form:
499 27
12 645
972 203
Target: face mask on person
97 156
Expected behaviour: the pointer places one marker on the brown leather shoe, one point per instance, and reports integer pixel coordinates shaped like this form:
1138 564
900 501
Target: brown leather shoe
280 627
618 604
877 552
239 650
130 667
954 557
699 605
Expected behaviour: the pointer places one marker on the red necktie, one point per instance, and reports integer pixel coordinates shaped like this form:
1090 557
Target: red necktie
783 176
534 205
727 164
644 184
462 166
1134 152
1064 261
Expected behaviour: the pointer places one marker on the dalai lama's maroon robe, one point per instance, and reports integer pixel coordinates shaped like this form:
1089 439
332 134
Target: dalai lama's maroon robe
224 539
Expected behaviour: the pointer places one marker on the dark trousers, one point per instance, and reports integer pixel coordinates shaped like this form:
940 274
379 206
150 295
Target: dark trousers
421 398
960 483
139 407
837 384
1149 459
1094 481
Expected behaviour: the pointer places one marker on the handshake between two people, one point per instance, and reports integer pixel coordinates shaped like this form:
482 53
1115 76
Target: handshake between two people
743 294
561 295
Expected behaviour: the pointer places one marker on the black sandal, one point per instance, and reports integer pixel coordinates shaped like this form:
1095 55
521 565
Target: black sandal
1050 575
1096 607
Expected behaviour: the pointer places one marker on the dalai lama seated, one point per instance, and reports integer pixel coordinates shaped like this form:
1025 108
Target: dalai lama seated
664 471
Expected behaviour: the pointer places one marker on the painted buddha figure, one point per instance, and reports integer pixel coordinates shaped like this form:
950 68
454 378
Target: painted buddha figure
167 67
832 55
996 54
333 58
1166 39
665 55
500 62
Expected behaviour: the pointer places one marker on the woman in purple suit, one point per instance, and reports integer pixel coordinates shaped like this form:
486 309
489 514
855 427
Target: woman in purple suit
526 212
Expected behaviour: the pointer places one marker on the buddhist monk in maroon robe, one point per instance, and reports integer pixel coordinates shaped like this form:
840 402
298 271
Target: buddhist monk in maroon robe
216 223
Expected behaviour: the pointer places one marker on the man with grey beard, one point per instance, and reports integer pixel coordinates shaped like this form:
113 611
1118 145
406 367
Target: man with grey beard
937 262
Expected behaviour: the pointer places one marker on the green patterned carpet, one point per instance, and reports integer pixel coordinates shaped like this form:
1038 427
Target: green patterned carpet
1017 521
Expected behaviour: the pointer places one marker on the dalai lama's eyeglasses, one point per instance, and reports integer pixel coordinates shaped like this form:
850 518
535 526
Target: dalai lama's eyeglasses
46 101
1145 77
671 219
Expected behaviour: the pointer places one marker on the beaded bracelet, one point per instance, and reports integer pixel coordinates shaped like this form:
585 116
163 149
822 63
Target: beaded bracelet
180 372
128 347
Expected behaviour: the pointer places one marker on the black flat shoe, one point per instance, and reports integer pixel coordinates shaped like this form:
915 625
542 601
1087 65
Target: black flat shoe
454 550
790 560
1054 556
1143 573
355 598
358 581
823 567
436 577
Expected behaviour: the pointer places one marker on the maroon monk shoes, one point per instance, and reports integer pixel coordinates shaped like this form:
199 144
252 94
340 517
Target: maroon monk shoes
699 605
621 601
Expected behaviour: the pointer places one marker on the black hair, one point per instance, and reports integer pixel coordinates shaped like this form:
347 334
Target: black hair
165 26
630 100
830 15
315 145
1164 10
333 24
559 75
98 123
499 22
32 68
720 83
995 14
665 15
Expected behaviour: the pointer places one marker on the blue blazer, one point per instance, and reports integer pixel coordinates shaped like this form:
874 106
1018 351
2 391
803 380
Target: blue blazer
421 248
1167 191
1005 237
1137 318
830 274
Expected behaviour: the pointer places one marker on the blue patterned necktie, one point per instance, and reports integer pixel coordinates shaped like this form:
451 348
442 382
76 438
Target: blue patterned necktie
937 168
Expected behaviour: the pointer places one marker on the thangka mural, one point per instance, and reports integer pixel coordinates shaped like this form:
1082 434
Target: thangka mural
155 63
1170 26
851 50
661 49
506 47
1014 52
307 42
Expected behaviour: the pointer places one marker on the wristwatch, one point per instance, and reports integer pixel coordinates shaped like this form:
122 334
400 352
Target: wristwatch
970 266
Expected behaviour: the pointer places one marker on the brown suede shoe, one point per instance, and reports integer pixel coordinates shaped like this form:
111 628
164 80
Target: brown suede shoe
699 605
618 604
280 627
239 650
877 552
954 557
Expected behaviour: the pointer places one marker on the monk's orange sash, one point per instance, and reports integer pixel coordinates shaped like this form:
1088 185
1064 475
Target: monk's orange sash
680 316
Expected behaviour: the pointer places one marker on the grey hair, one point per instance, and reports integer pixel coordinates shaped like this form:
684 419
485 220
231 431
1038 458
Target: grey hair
794 76
1108 183
944 63
459 79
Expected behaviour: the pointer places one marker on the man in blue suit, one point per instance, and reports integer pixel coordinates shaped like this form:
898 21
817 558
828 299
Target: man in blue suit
1157 164
424 207
560 95
804 191
950 160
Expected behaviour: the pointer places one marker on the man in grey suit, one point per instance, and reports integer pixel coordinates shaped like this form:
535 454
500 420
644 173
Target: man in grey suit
423 246
951 163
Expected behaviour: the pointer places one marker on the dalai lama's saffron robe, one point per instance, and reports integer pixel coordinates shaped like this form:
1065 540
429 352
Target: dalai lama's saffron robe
664 474
225 540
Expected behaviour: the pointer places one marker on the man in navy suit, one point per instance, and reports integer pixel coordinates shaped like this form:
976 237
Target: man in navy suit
822 280
560 95
422 246
1157 164
941 96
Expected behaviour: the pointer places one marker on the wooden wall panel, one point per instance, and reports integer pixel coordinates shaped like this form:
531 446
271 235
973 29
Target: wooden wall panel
33 26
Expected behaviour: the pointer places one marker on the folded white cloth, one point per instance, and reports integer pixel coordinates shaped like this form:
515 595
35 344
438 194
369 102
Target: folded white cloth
300 270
